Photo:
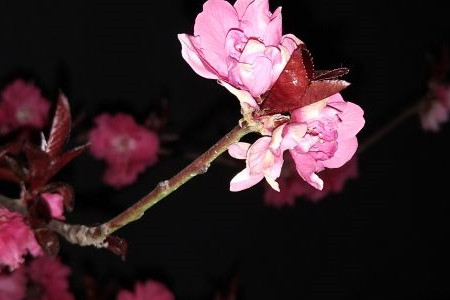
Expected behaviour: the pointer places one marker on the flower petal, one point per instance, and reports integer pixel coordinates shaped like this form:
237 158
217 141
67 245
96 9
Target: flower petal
212 26
243 180
192 56
352 121
238 150
306 166
346 149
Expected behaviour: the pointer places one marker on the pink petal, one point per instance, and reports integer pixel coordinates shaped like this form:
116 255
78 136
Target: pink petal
308 112
238 150
346 149
291 42
211 27
255 19
273 32
305 166
243 96
352 121
243 180
293 133
259 157
192 56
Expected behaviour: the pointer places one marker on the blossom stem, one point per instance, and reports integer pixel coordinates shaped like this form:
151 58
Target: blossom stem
96 236
380 133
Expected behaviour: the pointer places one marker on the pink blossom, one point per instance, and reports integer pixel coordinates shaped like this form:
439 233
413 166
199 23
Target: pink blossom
127 148
51 278
240 45
330 140
149 290
292 187
321 135
436 109
13 286
22 105
16 239
55 203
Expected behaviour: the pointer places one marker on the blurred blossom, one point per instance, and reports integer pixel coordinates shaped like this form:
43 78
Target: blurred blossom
321 135
21 106
436 108
49 278
16 240
127 148
149 290
13 286
240 45
292 187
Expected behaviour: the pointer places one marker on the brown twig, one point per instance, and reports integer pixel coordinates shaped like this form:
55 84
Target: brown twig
97 235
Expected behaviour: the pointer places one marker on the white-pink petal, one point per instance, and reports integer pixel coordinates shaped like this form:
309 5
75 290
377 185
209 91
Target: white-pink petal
194 59
243 180
238 150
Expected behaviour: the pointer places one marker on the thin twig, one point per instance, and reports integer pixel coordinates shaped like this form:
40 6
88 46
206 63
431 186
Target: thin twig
96 235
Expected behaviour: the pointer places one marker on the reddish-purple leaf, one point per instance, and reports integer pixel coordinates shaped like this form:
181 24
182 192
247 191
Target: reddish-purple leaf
38 164
330 74
48 241
319 90
8 175
299 85
286 94
117 246
60 129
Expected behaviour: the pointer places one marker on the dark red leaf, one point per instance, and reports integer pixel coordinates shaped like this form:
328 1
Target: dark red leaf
287 92
319 90
117 246
330 74
8 175
38 164
59 162
48 241
299 85
11 169
60 129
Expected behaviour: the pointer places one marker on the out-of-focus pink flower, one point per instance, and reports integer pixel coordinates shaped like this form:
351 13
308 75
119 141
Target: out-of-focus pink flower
55 203
436 109
16 239
240 45
127 148
292 187
22 105
51 278
13 286
321 135
149 290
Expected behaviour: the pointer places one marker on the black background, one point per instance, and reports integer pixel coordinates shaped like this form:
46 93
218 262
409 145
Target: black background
385 237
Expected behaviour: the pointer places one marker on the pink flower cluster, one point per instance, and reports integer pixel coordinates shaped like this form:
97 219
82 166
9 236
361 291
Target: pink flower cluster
149 290
127 148
22 106
437 107
321 135
240 45
51 276
45 278
16 240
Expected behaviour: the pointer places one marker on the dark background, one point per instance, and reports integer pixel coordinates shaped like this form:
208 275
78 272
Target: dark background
385 237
